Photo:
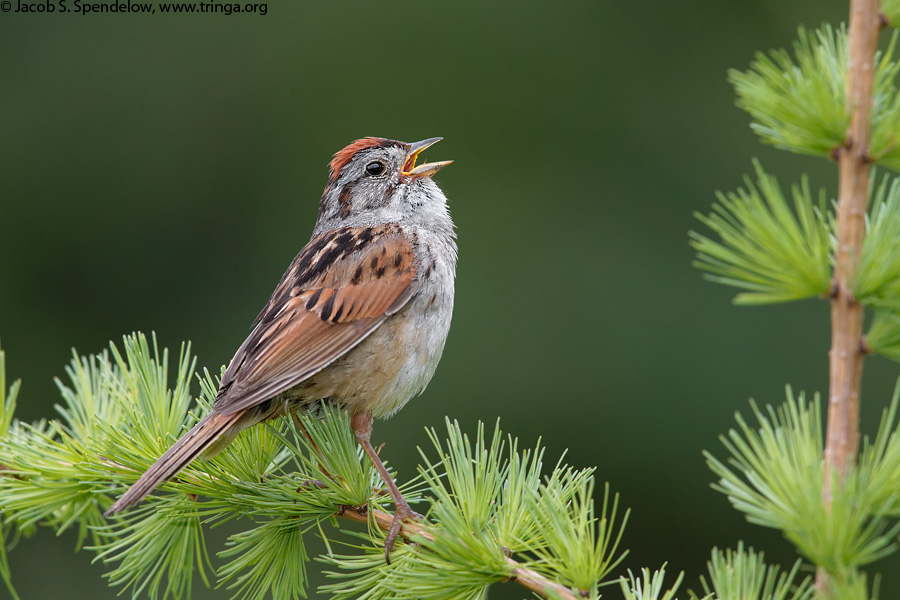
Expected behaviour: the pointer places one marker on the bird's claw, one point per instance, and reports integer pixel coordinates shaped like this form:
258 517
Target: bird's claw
402 513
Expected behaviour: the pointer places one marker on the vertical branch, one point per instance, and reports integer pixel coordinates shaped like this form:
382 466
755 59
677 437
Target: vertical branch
846 355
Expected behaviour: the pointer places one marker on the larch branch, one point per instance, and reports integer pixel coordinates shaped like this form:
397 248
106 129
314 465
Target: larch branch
846 354
524 576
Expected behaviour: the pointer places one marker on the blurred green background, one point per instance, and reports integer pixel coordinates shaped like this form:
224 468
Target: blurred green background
158 173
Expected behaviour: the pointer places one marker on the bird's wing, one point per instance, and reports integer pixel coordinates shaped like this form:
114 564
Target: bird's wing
340 287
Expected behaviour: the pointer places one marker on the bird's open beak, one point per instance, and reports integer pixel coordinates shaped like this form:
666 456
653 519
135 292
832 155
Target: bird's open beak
424 170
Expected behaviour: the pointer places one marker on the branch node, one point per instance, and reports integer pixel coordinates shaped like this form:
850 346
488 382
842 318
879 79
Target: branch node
864 346
835 153
865 157
362 510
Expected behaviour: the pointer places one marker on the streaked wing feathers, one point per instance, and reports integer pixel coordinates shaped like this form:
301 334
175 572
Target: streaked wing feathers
340 287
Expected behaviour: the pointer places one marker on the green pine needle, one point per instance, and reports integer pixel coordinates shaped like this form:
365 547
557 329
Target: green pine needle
145 377
267 561
157 547
799 103
649 587
466 484
466 554
743 574
775 477
7 410
480 488
883 147
411 575
282 480
516 529
46 480
879 463
878 275
884 334
89 400
891 10
850 586
581 547
475 475
766 248
7 397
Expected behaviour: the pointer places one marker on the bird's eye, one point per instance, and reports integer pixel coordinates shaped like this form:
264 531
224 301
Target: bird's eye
375 168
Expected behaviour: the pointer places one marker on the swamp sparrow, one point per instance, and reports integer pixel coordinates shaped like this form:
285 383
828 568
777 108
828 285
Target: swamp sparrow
358 320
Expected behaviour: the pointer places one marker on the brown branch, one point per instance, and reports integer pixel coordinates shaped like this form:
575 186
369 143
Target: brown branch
525 577
846 355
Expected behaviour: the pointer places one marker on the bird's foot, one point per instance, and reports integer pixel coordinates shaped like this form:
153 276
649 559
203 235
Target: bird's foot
402 513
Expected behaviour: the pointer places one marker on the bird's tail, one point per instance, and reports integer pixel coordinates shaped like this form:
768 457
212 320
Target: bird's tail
194 443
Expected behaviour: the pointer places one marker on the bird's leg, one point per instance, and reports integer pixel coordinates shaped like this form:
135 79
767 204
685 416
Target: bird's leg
361 423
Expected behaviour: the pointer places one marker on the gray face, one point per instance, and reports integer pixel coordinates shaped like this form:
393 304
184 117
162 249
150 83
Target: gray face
371 179
374 185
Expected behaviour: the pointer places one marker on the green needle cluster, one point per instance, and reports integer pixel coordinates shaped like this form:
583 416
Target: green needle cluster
490 503
7 409
774 476
648 586
743 574
779 251
492 511
799 102
775 253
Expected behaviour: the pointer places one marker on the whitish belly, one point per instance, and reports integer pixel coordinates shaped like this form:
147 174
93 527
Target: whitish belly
393 364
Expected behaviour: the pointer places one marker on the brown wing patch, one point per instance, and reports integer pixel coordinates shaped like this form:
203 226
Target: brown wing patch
340 287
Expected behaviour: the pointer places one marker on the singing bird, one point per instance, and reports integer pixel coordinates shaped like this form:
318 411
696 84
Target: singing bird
358 320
